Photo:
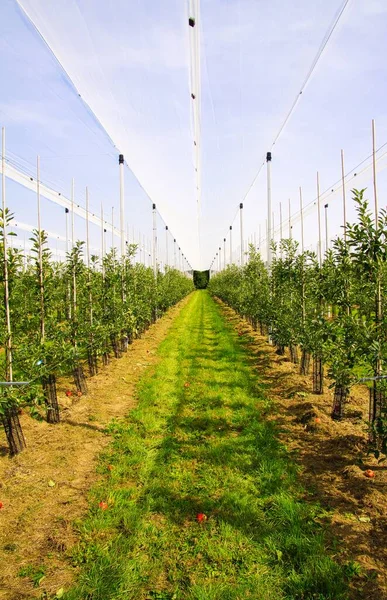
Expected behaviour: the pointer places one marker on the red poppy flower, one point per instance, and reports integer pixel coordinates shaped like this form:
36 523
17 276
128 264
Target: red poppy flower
369 473
186 384
68 393
110 467
103 505
1 505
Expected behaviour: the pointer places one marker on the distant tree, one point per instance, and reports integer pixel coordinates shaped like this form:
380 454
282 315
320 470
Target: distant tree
201 279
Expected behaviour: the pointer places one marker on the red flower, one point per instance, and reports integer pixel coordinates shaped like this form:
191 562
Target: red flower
110 467
186 384
68 393
1 505
79 394
103 505
200 517
369 473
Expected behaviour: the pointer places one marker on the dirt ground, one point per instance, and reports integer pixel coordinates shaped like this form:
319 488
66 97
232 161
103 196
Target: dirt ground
333 458
44 489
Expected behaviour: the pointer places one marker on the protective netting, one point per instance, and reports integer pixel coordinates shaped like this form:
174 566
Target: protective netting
136 64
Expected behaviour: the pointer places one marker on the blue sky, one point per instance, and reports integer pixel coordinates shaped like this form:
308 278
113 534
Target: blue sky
130 63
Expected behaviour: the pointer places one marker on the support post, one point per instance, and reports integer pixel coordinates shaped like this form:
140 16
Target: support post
326 228
122 204
344 197
319 220
166 247
269 225
230 244
241 228
154 239
302 221
224 253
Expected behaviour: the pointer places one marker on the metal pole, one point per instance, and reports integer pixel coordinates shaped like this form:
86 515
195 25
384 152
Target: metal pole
302 222
230 244
241 223
326 228
40 255
174 253
67 229
374 173
280 211
122 204
166 247
8 361
154 239
112 227
72 213
344 199
87 230
224 253
269 226
319 220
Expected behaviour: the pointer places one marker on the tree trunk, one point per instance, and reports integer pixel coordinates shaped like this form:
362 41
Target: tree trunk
105 359
115 346
93 362
280 350
305 362
294 354
339 399
13 430
376 407
318 374
50 398
80 380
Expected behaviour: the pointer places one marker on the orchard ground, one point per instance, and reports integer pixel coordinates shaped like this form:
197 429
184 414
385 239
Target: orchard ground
203 439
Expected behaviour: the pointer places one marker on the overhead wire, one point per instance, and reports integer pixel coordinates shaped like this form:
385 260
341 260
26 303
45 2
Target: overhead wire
312 68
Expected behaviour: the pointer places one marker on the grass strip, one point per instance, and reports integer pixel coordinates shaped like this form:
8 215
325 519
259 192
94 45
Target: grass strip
202 501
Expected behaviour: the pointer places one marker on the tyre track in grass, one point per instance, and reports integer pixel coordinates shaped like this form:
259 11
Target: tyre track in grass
200 500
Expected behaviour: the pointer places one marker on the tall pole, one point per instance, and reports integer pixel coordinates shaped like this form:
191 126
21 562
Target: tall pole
344 198
374 173
72 213
302 222
166 247
220 258
290 220
259 239
230 244
40 255
122 204
326 228
174 253
269 226
87 230
224 253
280 215
154 239
8 350
319 220
112 227
241 228
102 241
67 229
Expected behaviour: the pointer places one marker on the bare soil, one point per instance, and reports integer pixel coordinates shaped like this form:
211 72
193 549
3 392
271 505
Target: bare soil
45 488
333 458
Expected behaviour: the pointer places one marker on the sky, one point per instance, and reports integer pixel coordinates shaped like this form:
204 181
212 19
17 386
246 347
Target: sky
85 80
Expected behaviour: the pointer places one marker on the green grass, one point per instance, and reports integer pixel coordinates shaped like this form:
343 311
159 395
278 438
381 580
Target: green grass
207 448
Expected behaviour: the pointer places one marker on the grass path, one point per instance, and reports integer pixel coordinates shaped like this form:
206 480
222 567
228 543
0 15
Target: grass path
199 443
